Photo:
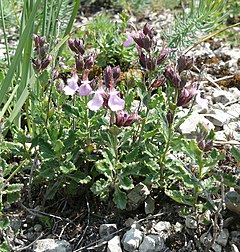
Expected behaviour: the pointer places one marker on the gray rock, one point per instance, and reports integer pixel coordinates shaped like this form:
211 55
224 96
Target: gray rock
216 247
218 117
223 237
235 92
106 230
206 239
190 222
222 96
114 245
15 223
188 127
149 205
37 227
162 226
235 237
51 245
152 243
132 239
234 110
137 196
234 248
232 201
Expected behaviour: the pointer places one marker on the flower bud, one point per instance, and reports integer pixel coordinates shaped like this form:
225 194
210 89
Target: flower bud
163 55
36 64
123 119
72 46
36 40
79 61
79 44
148 30
46 61
108 76
159 82
116 73
171 74
169 118
89 61
186 95
42 41
208 146
184 63
202 144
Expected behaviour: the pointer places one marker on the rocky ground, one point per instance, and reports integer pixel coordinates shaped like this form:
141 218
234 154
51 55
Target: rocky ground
155 222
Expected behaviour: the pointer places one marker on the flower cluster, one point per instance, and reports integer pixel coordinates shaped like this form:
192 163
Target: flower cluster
149 57
105 95
41 47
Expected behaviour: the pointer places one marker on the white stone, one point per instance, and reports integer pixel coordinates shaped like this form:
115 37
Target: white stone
188 127
106 230
149 206
137 196
222 239
162 226
218 117
234 110
222 96
235 92
132 239
114 245
152 243
206 239
51 245
190 222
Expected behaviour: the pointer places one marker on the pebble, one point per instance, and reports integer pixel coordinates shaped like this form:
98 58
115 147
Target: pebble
132 239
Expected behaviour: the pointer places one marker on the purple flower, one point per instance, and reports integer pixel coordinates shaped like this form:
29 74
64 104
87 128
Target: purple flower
115 103
129 41
98 99
85 89
186 95
72 86
125 119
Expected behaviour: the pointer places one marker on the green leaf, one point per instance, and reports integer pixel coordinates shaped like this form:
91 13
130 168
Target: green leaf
125 182
4 222
236 153
70 110
80 177
14 188
132 155
67 168
120 198
101 188
58 145
104 167
180 197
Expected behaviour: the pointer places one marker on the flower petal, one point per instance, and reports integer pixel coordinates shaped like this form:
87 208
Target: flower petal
96 102
85 89
68 91
115 103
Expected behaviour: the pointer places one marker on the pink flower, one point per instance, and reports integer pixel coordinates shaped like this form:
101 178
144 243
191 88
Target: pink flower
129 41
115 103
85 89
72 86
98 98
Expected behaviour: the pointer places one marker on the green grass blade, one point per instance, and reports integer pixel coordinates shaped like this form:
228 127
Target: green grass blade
17 57
4 33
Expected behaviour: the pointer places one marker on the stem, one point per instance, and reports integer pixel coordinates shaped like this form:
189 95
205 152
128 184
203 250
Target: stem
87 123
145 119
169 138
